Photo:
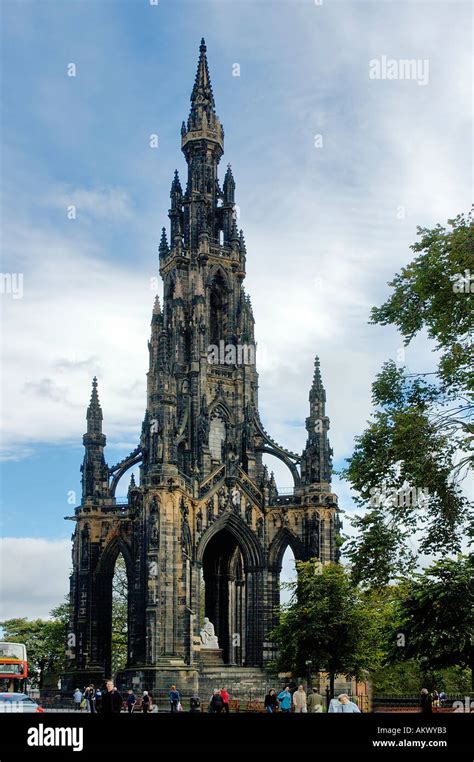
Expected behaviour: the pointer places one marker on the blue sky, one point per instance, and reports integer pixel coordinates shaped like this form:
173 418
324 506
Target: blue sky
326 227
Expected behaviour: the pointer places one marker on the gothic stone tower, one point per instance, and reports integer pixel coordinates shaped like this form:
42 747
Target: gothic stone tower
205 530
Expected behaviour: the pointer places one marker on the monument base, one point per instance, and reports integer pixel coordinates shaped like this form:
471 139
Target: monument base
158 679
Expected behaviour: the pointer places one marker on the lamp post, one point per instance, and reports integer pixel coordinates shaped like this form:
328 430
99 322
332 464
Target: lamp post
309 664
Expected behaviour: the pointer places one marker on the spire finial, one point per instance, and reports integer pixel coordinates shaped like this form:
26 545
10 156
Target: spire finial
317 391
157 306
94 410
202 90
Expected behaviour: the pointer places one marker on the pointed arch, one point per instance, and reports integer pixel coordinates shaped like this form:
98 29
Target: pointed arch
215 272
284 538
219 407
251 549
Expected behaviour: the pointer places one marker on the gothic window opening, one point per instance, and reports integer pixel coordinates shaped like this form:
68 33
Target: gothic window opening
218 311
288 574
216 438
119 616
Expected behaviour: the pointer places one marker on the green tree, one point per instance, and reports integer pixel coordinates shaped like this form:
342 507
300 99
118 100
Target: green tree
44 641
434 621
409 463
330 622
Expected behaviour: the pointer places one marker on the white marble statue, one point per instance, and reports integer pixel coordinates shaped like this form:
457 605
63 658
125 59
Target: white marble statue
208 635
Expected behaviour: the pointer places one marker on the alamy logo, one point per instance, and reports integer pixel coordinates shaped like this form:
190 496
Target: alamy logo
42 736
416 69
231 354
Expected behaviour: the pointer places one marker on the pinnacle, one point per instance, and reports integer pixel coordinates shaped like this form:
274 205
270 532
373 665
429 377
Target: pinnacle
94 396
157 306
176 184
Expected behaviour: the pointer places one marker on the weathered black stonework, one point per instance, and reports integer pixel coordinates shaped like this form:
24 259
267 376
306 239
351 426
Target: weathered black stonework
206 507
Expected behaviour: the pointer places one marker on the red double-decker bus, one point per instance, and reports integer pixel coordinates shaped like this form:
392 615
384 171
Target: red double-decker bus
13 667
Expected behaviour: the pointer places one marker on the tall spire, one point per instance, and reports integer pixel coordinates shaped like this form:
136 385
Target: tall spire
203 122
94 468
316 463
94 411
317 392
202 91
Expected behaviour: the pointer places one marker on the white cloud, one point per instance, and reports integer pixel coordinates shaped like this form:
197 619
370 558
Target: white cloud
34 576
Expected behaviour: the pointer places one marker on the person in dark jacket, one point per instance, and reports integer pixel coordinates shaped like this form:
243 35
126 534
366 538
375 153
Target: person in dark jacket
131 701
146 702
111 699
271 702
174 698
425 701
217 704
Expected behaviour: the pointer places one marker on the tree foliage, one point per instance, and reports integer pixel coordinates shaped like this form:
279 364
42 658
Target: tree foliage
409 463
44 641
434 621
329 622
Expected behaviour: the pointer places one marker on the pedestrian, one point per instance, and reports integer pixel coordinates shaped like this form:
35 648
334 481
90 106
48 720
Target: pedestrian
111 699
131 700
195 704
146 702
342 704
98 699
271 702
442 698
90 691
77 696
435 698
217 703
284 697
315 702
299 700
425 701
174 698
225 699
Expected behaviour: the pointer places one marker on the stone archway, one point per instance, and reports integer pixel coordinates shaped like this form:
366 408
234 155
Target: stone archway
101 609
224 604
233 590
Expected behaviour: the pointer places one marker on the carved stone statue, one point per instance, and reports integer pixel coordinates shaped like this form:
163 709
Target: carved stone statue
248 513
210 510
208 635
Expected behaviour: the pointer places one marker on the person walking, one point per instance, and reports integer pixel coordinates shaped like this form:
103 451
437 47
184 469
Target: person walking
111 699
315 702
271 702
225 699
77 696
299 700
131 701
426 701
284 697
217 703
146 702
343 704
174 698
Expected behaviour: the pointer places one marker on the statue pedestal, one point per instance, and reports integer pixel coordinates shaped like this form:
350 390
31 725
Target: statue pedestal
210 657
